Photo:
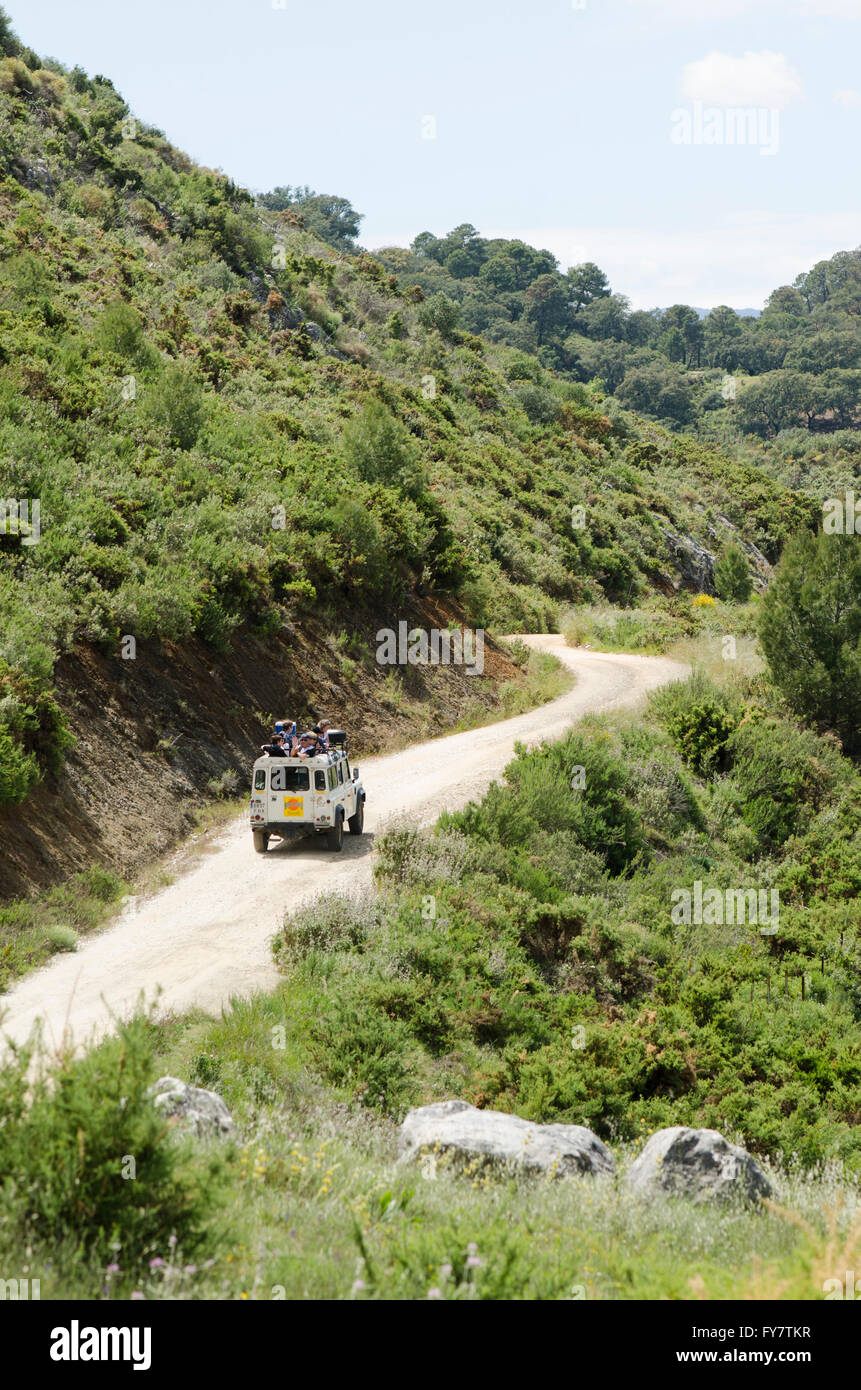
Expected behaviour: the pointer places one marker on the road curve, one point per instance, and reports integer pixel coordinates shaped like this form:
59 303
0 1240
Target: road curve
205 938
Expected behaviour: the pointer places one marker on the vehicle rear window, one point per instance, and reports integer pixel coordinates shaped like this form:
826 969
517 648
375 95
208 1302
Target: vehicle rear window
320 780
289 779
340 772
333 781
260 779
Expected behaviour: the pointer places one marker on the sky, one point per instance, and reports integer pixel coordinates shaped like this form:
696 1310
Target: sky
700 151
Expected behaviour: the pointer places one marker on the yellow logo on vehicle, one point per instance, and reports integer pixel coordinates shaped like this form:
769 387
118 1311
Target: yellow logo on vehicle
292 806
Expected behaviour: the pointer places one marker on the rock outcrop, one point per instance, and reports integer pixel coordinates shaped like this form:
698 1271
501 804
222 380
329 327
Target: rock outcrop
457 1133
699 1164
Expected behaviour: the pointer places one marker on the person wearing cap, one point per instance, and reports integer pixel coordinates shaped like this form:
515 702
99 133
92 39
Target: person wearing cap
307 745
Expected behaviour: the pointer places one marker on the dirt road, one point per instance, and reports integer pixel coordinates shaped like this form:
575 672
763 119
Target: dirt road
205 937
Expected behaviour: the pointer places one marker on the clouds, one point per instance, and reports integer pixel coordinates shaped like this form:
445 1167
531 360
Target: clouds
754 79
847 97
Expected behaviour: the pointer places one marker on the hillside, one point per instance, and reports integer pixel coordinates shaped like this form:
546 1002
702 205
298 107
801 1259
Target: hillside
235 451
781 388
239 438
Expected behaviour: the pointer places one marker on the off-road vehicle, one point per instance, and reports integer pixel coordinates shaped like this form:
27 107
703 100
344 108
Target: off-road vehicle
291 797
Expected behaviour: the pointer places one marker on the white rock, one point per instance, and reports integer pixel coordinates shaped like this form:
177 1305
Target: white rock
455 1128
697 1163
203 1111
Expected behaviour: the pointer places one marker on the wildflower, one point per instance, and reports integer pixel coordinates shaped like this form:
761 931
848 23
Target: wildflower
191 1269
137 1294
445 1271
112 1269
171 1240
157 1263
473 1262
359 1285
434 1293
472 1248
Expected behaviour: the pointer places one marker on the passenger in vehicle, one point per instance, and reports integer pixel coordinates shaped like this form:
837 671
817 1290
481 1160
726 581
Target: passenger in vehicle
276 748
322 731
288 728
308 746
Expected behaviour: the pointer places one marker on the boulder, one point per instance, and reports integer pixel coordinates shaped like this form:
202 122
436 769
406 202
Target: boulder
465 1134
697 1163
202 1111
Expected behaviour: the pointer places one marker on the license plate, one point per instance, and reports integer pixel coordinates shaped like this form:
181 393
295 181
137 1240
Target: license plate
292 806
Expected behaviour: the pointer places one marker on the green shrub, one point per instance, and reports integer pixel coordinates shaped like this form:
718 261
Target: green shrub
378 446
19 771
810 629
576 786
119 329
783 776
65 1151
333 921
732 575
176 402
699 718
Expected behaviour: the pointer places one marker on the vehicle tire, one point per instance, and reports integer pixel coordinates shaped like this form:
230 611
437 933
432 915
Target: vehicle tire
335 837
261 840
357 821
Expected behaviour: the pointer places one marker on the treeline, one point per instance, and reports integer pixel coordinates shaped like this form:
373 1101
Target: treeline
803 351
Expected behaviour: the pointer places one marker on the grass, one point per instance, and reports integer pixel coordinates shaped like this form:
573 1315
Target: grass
661 626
320 1208
34 929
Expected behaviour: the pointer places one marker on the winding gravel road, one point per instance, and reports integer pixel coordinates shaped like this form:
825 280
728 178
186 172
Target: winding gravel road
205 938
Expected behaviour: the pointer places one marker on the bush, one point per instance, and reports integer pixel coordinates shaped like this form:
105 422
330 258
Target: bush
699 718
15 76
441 313
176 402
19 771
541 794
810 629
782 773
379 447
732 576
65 1151
539 404
119 329
334 921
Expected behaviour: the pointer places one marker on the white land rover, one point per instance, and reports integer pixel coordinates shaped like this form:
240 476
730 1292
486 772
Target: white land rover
291 797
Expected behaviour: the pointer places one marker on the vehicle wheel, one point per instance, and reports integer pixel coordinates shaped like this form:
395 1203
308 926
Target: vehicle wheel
335 838
357 821
261 840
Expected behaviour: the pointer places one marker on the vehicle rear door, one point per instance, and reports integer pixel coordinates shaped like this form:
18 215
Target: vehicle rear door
288 789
